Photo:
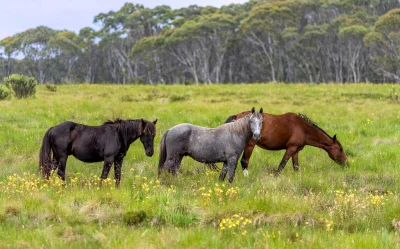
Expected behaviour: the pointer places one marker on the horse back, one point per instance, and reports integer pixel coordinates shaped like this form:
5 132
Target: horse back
200 143
86 143
279 131
63 130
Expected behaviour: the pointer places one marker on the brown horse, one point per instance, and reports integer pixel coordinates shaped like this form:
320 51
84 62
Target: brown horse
290 132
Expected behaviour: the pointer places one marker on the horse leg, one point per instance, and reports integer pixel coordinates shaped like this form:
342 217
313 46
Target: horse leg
62 163
231 169
54 164
177 165
248 150
50 167
117 171
289 152
172 164
224 170
295 161
108 161
212 166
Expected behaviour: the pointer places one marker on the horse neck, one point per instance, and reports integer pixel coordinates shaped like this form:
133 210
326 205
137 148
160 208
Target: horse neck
130 131
241 127
318 138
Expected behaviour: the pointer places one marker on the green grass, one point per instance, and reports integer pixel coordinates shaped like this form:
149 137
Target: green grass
321 206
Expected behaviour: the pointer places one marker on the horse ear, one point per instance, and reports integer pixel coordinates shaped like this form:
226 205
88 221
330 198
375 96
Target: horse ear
334 138
252 110
155 121
261 110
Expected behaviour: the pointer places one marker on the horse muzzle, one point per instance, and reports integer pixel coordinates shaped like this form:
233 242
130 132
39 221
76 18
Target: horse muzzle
344 163
256 136
149 153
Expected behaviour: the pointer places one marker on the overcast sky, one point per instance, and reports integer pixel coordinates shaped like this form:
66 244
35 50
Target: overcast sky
19 15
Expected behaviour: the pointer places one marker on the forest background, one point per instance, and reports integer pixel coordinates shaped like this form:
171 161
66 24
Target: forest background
335 41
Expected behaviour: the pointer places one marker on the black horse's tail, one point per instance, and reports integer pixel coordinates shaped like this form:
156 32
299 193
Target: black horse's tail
163 153
45 156
231 119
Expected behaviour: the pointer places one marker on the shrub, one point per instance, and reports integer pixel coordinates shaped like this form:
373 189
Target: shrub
178 98
4 94
21 86
51 87
132 218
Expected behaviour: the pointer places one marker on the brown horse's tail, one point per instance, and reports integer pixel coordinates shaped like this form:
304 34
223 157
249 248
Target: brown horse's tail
231 119
45 156
163 153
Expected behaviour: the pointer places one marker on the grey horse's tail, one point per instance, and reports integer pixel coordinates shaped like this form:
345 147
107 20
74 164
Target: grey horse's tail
231 119
44 155
163 153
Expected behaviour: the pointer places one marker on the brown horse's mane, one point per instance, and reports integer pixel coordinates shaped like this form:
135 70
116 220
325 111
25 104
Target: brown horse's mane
308 120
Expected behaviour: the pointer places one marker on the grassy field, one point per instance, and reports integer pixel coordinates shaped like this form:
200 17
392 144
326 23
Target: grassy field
321 206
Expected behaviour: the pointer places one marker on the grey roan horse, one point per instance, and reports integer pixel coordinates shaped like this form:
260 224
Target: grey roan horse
209 145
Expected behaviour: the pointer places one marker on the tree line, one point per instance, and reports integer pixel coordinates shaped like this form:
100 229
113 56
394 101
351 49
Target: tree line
336 41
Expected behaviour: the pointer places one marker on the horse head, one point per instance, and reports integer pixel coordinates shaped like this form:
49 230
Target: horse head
336 152
256 120
147 136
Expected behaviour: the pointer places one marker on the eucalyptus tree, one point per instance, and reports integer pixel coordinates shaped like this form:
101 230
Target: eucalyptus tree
90 58
262 31
147 25
183 15
384 42
200 45
33 44
308 53
352 39
148 53
218 31
115 43
66 48
258 41
9 48
121 30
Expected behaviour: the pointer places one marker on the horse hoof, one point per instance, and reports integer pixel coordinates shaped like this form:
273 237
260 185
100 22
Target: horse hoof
245 172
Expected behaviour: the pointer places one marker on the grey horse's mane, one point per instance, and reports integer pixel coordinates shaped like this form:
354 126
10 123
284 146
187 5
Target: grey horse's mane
239 126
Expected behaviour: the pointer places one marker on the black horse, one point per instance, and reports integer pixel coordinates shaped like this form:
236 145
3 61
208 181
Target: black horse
108 142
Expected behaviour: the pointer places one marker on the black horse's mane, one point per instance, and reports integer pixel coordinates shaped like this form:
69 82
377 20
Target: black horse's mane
308 120
118 121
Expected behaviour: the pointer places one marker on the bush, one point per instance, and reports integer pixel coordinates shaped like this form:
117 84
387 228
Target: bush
132 218
21 86
4 94
51 88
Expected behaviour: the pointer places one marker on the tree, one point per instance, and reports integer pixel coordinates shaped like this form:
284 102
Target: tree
33 45
89 59
262 30
67 48
384 41
9 46
258 41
